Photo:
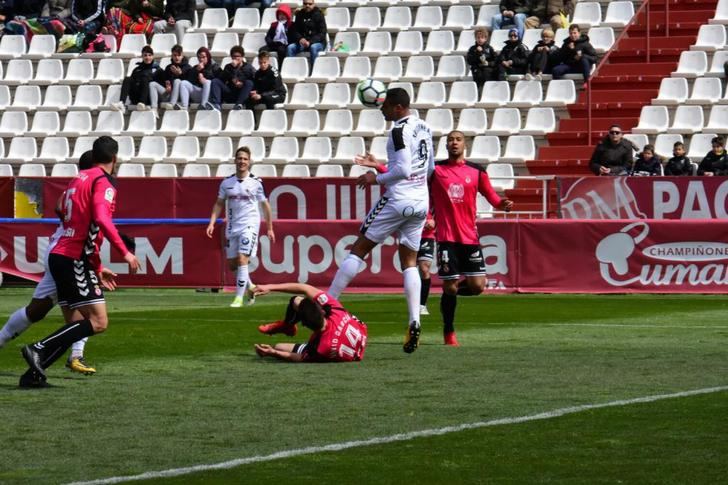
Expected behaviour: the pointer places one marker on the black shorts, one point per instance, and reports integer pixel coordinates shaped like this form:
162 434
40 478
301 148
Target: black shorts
76 281
427 250
455 260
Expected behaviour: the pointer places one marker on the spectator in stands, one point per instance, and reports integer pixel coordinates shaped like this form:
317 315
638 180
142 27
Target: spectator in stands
133 17
59 9
135 88
513 13
232 5
235 81
33 18
268 87
276 39
308 32
197 85
88 15
542 57
576 55
513 58
679 164
481 58
178 16
554 11
166 82
647 163
613 156
716 160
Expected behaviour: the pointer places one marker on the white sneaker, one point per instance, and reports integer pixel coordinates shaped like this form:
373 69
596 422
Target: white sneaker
166 105
539 77
529 77
424 310
142 107
237 302
118 106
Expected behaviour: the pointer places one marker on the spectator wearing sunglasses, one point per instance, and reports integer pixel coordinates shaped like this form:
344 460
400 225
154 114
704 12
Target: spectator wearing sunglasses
513 58
614 155
309 31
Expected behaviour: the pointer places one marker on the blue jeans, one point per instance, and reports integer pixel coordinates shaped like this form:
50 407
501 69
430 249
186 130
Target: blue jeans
582 66
294 49
500 22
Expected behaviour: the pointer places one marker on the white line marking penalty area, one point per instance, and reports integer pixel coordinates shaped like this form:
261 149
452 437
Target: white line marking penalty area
174 472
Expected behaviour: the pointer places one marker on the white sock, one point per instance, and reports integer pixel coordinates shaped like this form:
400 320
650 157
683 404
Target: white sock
412 286
16 324
349 268
242 281
77 348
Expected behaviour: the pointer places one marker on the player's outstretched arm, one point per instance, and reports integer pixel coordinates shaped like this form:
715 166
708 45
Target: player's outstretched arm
295 288
216 210
268 216
265 350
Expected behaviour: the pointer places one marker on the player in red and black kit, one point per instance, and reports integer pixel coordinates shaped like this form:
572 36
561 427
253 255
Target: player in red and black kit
454 186
425 256
87 207
338 336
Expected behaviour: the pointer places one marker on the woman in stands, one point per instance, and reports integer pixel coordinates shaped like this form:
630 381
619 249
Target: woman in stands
513 58
133 17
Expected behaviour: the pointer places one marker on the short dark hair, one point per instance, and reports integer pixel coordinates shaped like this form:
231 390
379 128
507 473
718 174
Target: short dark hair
104 149
263 55
311 313
86 161
236 49
244 149
147 49
574 27
678 144
649 148
718 140
177 49
398 96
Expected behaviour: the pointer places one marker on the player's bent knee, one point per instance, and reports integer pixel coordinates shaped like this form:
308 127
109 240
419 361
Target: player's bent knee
38 309
476 288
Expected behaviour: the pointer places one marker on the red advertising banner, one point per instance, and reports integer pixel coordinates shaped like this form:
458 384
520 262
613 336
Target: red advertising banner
7 196
644 198
550 256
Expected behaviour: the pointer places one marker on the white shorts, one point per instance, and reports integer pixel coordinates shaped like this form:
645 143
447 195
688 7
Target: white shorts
245 242
46 288
406 218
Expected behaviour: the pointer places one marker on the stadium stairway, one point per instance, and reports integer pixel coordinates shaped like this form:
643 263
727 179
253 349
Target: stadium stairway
623 84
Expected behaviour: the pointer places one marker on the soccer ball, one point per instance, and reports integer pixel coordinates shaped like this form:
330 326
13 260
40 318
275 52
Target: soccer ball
371 92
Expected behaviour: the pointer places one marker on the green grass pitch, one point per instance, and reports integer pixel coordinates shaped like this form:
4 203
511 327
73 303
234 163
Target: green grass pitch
179 385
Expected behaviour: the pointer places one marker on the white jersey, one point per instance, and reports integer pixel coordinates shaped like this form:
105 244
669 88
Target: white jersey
242 199
410 160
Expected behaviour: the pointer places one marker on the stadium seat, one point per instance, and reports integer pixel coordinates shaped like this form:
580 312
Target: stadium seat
45 123
335 95
519 148
79 71
163 170
587 15
4 97
351 40
222 43
526 94
347 148
638 140
419 69
41 47
721 13
305 122
337 19
451 68
486 148
441 149
134 62
498 39
246 20
131 170
601 38
126 147
18 72
465 40
49 71
305 95
505 121
664 143
539 121
110 71
218 149
440 121
532 36
618 14
485 16
653 120
673 91
273 122
27 98
700 145
501 175
295 69
296 171
213 20
356 68
483 208
152 149
265 170
6 170
377 44
256 145
32 170
440 43
82 145
227 169
692 64
283 149
687 120
408 44
239 122
22 150
184 149
357 170
710 38
88 98
252 42
12 46
13 123
57 98
388 68
397 19
706 90
141 123
162 44
560 92
495 94
430 95
64 170
196 170
378 147
77 123
207 123
194 40
462 95
174 123
428 18
371 123
472 121
718 120
131 45
366 19
325 70
316 149
109 123
329 171
54 149
459 17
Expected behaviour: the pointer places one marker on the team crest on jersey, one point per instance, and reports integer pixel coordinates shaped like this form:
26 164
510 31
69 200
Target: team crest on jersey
467 180
322 299
456 192
109 195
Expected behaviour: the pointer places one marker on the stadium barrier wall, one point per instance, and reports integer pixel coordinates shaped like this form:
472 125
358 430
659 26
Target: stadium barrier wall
553 256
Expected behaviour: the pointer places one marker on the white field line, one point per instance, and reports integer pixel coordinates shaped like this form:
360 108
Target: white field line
174 472
627 325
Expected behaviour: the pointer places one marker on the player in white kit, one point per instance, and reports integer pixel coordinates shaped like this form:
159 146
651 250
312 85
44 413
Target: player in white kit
402 210
241 195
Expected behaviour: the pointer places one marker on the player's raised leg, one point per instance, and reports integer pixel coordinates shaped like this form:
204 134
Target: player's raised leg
351 265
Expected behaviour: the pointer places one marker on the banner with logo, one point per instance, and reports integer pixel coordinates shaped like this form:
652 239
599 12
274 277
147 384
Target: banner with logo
644 198
521 256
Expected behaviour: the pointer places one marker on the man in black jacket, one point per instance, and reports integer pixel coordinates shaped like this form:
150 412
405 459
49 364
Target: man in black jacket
308 32
576 56
268 87
234 83
135 88
614 155
178 16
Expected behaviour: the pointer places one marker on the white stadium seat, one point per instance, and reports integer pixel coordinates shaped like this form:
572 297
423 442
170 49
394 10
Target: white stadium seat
397 19
618 14
519 148
194 40
239 122
700 145
246 20
57 98
163 170
88 98
13 123
371 123
428 18
54 149
22 149
110 71
451 68
710 38
366 19
305 122
692 64
495 94
45 123
77 123
296 171
462 94
357 170
82 145
472 121
79 71
717 120
41 47
687 120
162 44
673 91
419 69
27 98
18 71
174 123
355 69
388 68
560 92
337 19
526 94
218 149
109 123
184 149
486 148
12 46
316 149
440 120
64 170
227 169
664 143
49 71
222 43
252 42
126 147
460 17
265 170
430 95
213 20
721 13
273 122
141 123
283 149
653 120
32 170
131 45
706 90
505 121
496 171
256 145
377 44
587 14
207 123
131 170
6 170
325 70
348 148
196 170
329 171
601 38
335 95
539 121
408 44
152 149
295 69
351 40
305 95
440 43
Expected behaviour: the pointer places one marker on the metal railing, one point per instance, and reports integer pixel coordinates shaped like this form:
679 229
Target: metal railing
546 184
